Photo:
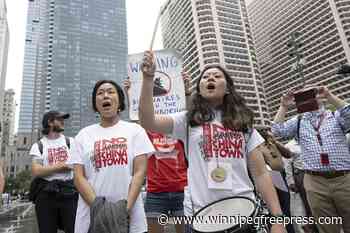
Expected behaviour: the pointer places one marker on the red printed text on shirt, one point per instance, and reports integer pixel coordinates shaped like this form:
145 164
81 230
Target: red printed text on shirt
110 152
222 142
57 155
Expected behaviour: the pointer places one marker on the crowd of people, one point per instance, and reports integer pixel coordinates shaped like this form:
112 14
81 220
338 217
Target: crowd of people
193 159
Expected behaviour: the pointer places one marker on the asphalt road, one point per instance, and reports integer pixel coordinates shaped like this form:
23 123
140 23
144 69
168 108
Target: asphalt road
20 218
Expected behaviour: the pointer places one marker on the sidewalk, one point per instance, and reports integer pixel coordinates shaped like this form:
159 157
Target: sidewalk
14 204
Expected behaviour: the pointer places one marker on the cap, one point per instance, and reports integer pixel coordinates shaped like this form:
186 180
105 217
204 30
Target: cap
51 115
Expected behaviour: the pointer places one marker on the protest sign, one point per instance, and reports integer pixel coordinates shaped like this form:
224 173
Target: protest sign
168 91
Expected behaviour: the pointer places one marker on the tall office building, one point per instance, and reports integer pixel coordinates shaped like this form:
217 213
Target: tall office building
216 32
70 44
31 71
8 120
4 45
324 27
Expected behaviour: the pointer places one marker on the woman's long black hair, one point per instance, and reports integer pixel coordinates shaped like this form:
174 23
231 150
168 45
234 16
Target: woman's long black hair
235 113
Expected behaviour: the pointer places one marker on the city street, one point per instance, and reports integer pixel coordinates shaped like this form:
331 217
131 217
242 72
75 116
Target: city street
20 218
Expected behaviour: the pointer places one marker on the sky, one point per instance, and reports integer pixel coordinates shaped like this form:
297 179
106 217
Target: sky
141 20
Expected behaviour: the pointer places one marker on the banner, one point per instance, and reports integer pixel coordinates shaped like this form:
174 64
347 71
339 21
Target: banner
168 91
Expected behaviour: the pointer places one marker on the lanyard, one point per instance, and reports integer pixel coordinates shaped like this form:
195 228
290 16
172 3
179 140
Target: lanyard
317 129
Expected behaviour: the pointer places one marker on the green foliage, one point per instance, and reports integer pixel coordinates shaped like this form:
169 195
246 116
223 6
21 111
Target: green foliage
19 184
24 178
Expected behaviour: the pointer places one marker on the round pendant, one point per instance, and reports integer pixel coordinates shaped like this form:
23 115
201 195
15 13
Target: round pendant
218 174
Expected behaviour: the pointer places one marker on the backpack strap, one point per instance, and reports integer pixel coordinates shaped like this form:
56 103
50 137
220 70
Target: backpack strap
67 141
40 146
298 125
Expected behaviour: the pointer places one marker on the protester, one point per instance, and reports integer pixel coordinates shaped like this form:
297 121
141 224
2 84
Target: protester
325 155
166 178
295 176
218 117
109 167
55 197
273 156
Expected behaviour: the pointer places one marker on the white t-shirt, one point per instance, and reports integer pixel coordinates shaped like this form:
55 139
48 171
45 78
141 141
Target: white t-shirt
225 148
54 151
107 155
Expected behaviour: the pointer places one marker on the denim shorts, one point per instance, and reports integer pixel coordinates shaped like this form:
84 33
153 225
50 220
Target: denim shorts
169 203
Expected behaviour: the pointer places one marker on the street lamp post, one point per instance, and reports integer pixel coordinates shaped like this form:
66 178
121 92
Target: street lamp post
299 64
305 99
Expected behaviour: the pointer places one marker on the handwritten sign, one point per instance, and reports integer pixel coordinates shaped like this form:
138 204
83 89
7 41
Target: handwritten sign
168 91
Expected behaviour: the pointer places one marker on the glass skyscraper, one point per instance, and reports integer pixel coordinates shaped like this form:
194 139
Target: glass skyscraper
79 42
4 45
216 32
324 43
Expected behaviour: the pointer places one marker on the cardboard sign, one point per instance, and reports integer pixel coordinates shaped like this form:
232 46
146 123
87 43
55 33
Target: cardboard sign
168 91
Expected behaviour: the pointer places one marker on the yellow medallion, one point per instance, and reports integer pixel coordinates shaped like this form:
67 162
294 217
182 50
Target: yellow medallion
218 174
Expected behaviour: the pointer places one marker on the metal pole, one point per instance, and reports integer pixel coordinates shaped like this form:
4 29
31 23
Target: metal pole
155 29
293 42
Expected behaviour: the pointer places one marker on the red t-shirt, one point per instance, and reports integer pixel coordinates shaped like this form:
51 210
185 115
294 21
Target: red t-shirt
167 169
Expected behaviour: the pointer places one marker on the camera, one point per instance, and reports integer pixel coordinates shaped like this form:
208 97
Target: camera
306 100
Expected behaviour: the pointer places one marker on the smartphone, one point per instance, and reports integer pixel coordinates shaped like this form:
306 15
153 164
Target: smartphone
306 101
305 95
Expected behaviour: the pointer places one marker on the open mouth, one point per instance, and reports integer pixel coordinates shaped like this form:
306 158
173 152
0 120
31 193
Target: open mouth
106 105
211 86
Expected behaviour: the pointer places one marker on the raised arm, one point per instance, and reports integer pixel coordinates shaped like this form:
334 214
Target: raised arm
343 108
286 100
280 127
126 86
188 92
150 121
331 98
